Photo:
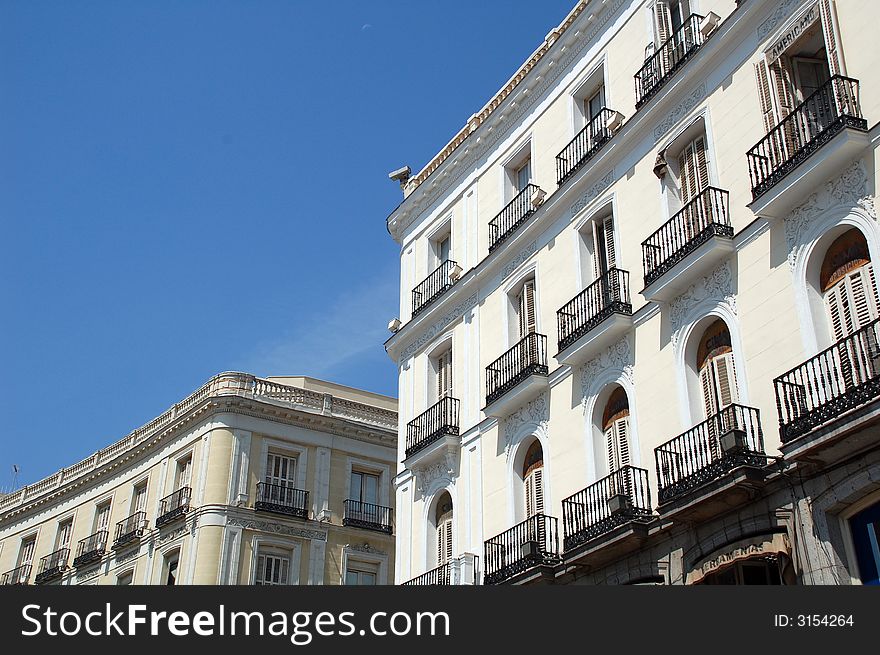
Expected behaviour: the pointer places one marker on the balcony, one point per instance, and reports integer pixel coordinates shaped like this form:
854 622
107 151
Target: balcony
587 143
439 421
130 530
668 58
514 214
517 375
52 566
441 576
829 122
91 549
713 466
596 317
531 546
617 506
174 506
689 244
825 395
281 499
434 286
17 576
368 516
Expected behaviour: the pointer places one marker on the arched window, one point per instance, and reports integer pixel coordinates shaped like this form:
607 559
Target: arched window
716 369
533 479
848 284
615 425
443 521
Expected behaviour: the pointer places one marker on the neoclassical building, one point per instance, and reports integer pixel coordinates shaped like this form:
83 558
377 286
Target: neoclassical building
638 332
277 481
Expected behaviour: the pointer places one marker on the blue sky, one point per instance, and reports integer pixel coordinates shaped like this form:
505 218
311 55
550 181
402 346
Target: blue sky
193 186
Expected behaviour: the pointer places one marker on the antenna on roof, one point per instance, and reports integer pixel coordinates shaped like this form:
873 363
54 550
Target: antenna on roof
15 470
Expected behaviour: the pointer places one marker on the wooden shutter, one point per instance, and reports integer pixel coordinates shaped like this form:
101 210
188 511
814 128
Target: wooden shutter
260 577
725 380
444 541
693 169
708 386
662 22
27 552
527 319
140 499
853 302
764 95
64 534
781 73
103 518
835 58
184 472
603 244
535 492
444 374
616 437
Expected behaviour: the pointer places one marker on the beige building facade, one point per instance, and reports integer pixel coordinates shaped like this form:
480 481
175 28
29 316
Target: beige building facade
638 324
279 481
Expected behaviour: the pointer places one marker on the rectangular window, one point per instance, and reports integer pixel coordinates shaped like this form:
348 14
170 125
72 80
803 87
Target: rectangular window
272 569
365 487
62 539
594 104
102 517
139 499
26 552
444 248
171 565
280 470
361 573
693 169
183 474
125 579
444 374
523 175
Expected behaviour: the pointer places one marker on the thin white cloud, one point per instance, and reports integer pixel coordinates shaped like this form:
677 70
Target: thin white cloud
365 27
326 339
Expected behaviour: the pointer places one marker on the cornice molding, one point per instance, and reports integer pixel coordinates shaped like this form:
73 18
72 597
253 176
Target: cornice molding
437 327
271 527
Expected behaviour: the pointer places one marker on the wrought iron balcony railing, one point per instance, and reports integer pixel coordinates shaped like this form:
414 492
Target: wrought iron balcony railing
527 357
440 420
668 58
606 296
587 143
513 215
52 565
827 111
91 549
733 437
441 576
367 515
619 498
704 217
17 576
174 506
281 499
534 542
433 286
838 379
130 529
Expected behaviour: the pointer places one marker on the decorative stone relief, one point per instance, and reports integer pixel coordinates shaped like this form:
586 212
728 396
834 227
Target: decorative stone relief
593 192
88 574
437 327
367 548
276 528
686 104
718 284
536 411
617 357
780 14
524 254
126 555
442 470
850 189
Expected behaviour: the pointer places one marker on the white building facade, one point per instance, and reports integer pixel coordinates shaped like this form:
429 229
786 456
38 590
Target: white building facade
639 317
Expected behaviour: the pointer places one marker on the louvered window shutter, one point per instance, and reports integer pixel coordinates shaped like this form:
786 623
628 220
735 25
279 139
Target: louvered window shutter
527 323
707 385
444 374
701 164
662 22
836 302
444 541
603 246
835 60
282 576
764 95
781 73
535 492
725 380
616 438
261 568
